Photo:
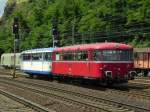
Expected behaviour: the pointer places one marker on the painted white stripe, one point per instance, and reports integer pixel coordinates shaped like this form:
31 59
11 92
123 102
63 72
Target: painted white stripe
95 61
38 66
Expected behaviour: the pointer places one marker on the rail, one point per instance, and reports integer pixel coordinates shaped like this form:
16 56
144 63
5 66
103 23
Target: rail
27 103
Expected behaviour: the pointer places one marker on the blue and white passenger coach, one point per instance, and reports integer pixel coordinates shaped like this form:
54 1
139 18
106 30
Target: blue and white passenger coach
37 61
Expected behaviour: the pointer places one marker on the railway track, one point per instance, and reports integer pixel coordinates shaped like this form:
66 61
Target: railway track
82 97
141 81
93 106
9 72
133 93
145 77
9 105
25 102
97 99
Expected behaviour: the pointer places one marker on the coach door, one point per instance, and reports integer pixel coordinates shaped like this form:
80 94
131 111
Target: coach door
37 62
47 62
83 63
66 65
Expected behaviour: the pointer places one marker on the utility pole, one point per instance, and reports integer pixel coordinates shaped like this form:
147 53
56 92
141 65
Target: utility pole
14 68
53 41
16 37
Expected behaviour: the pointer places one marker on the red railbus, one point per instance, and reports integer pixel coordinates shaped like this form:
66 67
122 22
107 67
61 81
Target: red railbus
106 62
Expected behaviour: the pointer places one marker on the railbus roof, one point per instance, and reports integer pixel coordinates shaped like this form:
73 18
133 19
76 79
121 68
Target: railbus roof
82 47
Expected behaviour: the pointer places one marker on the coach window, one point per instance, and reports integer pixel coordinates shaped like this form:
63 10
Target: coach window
26 57
2 61
145 56
140 56
135 55
36 56
48 56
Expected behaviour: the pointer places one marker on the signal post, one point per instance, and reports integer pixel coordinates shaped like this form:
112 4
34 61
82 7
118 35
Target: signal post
55 34
16 38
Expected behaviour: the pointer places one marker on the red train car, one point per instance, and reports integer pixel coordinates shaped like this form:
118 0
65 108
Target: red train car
105 62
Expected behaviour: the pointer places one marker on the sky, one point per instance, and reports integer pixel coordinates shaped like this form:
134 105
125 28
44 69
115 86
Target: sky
2 6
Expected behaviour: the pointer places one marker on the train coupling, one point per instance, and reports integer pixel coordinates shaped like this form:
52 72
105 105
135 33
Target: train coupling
132 74
108 74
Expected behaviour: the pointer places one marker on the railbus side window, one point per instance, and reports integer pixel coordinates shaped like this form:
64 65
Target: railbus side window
78 56
113 55
82 56
71 56
65 56
57 57
126 55
68 56
75 56
131 55
123 55
98 56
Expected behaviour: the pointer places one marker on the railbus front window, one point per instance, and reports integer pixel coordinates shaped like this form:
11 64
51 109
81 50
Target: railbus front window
98 56
113 55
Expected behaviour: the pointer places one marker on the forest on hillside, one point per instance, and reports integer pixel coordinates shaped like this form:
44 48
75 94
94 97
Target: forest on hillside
78 21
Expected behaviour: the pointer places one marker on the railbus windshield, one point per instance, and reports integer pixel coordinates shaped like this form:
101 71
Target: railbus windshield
113 55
